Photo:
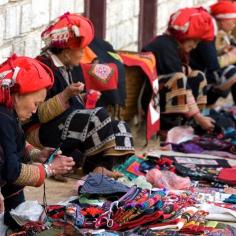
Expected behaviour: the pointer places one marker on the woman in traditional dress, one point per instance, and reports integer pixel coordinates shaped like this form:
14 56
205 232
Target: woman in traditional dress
23 84
62 119
217 59
182 90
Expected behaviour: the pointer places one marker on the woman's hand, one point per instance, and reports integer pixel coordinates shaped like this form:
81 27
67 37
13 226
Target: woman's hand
206 123
61 165
72 90
43 155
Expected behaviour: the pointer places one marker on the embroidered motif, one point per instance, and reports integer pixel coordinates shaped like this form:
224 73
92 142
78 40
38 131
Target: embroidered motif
100 77
96 139
105 141
96 121
75 135
61 126
67 125
100 126
127 142
121 127
101 72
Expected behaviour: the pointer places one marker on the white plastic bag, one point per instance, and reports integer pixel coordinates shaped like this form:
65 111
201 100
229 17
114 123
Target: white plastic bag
3 228
27 211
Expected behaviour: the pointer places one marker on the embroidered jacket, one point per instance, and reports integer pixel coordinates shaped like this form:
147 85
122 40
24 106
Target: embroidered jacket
16 169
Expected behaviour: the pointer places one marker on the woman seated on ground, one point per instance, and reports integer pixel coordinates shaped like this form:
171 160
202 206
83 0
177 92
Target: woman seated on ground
182 90
62 119
22 88
218 58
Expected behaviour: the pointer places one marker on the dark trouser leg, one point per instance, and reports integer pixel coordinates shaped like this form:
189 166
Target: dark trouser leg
11 203
233 91
97 161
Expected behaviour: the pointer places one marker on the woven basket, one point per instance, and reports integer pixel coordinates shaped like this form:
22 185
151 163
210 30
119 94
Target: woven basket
134 81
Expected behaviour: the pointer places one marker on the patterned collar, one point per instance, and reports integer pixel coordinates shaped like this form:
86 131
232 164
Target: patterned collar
57 62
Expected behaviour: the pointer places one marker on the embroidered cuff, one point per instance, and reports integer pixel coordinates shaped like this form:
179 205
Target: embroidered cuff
32 137
228 58
31 153
31 175
192 105
51 108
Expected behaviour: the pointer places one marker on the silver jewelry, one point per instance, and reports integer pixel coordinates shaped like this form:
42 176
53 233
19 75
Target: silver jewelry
48 170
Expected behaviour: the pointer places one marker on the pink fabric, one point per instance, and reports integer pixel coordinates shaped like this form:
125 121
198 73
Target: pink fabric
80 183
180 134
167 179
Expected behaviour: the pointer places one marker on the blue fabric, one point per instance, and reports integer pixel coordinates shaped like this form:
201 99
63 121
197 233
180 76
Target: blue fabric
102 185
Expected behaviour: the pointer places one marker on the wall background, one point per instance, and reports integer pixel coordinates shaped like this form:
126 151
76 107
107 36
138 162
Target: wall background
22 21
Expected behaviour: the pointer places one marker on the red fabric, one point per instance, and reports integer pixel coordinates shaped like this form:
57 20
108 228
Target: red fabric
69 31
153 121
42 176
30 76
224 10
91 99
191 23
100 77
228 175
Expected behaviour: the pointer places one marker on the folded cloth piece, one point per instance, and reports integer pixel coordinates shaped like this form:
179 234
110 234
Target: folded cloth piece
220 154
167 179
187 147
102 185
228 175
131 167
139 182
218 213
231 199
101 77
208 142
180 134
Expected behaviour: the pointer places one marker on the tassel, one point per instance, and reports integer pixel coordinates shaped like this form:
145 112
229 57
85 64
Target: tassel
5 97
76 31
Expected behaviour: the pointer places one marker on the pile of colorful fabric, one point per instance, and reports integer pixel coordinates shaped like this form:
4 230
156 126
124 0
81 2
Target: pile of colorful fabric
137 212
158 195
221 142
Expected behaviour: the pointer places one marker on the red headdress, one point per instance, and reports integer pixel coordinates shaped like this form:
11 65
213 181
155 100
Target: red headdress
224 10
22 75
191 23
69 31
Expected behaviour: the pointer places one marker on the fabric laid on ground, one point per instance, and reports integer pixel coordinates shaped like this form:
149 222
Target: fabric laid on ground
100 184
167 179
140 182
131 167
180 134
220 154
218 213
228 175
140 212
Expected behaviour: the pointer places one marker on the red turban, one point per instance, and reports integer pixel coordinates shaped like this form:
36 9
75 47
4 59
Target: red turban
69 31
22 75
191 23
224 10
